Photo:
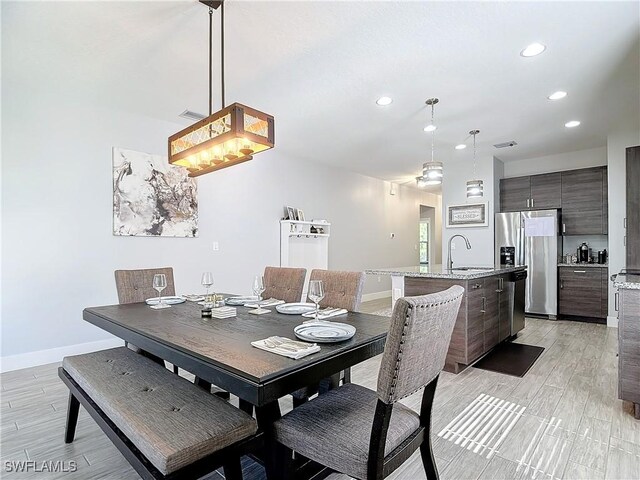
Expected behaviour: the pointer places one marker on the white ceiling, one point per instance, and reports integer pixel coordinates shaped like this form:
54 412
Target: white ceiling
318 67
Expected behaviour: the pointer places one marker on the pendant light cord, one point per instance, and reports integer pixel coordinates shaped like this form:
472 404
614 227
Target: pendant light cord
433 134
222 51
210 61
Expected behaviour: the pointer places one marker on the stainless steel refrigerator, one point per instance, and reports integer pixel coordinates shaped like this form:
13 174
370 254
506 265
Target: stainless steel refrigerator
536 242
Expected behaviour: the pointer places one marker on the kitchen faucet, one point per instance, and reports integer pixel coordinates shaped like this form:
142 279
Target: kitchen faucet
449 261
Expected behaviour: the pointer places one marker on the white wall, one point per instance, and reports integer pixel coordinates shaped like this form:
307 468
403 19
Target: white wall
592 157
454 192
58 250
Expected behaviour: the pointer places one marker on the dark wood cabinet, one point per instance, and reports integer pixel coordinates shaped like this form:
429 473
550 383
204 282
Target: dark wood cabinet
580 291
628 347
546 191
515 194
582 202
605 201
475 319
632 238
604 293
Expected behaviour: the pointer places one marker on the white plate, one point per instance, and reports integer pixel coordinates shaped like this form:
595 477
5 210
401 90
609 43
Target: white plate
296 308
325 332
240 300
166 300
193 297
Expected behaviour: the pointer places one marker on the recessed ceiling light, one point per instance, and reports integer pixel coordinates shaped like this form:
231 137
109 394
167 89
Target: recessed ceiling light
383 101
462 146
430 128
572 123
533 50
557 95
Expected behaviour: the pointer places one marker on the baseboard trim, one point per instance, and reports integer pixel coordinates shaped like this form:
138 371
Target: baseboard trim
367 297
612 322
52 355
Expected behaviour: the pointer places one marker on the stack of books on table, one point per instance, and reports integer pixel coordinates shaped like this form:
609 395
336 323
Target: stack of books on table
223 312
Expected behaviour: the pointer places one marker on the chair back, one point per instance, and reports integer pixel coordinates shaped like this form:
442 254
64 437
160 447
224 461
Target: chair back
284 283
417 342
137 285
341 289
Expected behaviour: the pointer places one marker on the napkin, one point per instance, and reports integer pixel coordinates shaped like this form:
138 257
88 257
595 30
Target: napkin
326 313
264 303
223 312
286 347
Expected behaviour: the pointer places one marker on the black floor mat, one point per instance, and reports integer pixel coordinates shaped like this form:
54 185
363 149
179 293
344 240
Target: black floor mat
510 358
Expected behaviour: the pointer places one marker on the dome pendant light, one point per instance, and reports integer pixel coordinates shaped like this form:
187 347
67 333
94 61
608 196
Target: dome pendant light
475 188
227 137
432 171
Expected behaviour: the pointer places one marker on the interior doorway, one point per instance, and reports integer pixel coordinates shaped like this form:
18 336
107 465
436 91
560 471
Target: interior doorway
427 243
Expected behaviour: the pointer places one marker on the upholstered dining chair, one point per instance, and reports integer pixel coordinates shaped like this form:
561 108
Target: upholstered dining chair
368 434
135 286
284 283
341 289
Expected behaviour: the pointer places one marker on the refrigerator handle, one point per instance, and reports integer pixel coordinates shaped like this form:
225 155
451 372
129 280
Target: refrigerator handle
527 203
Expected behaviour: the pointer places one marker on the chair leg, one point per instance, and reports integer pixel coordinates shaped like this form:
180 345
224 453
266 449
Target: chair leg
222 394
297 401
72 418
284 460
246 407
426 449
347 376
175 370
233 469
202 384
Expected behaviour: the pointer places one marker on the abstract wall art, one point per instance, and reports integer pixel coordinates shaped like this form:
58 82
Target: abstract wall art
152 198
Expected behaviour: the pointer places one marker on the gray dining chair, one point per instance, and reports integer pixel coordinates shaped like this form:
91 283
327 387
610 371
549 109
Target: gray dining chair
342 289
135 286
367 434
284 283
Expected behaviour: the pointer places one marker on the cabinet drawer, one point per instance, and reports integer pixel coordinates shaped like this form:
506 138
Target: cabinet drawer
580 292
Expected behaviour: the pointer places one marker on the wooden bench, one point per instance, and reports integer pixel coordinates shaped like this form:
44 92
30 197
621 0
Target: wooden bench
165 426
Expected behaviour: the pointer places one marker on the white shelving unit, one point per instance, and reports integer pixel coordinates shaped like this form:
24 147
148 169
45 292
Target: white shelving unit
299 247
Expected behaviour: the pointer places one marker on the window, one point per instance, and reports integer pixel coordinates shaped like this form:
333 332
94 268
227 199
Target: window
425 231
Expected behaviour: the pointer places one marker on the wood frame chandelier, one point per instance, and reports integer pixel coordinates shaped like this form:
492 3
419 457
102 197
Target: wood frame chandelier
224 138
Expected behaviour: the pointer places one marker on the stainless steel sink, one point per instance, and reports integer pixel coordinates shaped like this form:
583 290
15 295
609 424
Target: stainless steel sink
472 268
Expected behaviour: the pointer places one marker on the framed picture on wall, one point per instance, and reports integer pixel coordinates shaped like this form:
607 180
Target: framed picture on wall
467 215
291 213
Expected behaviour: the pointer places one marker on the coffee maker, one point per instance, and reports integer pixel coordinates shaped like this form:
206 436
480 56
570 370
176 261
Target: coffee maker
507 256
583 253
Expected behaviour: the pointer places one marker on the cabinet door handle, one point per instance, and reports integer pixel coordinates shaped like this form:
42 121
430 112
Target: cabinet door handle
564 228
625 241
476 286
484 305
579 271
561 284
625 222
532 202
527 203
615 302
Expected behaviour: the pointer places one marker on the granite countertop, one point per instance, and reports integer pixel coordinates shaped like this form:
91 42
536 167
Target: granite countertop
587 265
441 271
629 281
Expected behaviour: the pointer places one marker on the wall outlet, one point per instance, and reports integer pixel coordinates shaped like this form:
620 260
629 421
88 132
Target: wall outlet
216 246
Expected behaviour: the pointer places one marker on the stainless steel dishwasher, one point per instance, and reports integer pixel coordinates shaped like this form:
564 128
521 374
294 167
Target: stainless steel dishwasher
517 301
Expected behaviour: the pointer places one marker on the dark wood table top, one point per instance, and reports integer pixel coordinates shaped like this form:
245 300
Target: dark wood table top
180 335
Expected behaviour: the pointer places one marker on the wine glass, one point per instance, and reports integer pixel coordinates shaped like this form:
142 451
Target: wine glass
159 284
258 287
316 293
207 282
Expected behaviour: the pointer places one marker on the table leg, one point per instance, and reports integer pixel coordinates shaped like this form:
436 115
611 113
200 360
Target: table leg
266 415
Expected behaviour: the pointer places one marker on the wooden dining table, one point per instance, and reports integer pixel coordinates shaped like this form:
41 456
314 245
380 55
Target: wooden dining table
219 351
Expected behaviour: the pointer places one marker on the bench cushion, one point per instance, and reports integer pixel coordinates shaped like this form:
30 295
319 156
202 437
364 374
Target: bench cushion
170 420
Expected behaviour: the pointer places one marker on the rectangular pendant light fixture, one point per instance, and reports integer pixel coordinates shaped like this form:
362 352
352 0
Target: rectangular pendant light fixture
225 138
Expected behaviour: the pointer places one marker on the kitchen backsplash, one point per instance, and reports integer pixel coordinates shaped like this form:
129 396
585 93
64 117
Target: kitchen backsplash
571 243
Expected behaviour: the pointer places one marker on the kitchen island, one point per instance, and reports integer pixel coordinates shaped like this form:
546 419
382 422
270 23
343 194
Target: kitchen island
492 303
628 306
